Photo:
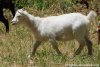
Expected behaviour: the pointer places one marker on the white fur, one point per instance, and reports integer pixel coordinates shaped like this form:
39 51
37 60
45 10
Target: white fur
61 28
64 27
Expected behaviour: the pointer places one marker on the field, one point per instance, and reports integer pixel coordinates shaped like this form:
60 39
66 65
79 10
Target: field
16 45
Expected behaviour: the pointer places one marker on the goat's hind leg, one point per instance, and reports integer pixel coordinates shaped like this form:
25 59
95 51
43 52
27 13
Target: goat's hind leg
80 48
54 45
89 45
81 40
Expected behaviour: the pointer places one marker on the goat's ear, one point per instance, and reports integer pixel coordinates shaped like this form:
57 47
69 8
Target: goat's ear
98 11
23 9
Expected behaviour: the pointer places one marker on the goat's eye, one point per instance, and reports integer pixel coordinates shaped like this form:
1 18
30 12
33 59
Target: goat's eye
19 16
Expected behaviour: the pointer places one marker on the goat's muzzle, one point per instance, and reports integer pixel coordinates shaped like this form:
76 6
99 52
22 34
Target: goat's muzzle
13 23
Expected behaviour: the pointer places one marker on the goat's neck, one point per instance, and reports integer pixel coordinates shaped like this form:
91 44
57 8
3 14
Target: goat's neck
31 23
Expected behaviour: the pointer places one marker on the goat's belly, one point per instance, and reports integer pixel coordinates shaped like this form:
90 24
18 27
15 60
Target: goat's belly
41 38
65 37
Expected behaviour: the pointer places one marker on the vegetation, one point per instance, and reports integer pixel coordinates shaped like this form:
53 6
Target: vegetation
16 45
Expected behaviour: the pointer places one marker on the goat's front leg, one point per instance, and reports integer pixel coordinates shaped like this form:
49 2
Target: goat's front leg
35 46
54 45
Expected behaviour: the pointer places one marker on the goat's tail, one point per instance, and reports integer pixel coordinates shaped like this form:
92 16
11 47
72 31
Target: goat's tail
91 16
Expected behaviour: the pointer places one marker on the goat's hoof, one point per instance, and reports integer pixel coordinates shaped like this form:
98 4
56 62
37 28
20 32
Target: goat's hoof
29 56
90 53
60 53
76 54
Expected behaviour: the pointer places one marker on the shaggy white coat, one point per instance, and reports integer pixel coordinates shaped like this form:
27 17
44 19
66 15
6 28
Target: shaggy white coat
61 28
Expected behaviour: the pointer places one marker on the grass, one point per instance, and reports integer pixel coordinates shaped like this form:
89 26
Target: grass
16 45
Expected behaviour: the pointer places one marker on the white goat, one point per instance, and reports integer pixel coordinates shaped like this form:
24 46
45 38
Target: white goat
58 28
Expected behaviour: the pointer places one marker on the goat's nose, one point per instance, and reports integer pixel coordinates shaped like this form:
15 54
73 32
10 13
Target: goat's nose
13 22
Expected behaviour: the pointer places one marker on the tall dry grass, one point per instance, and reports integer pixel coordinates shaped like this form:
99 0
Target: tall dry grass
16 45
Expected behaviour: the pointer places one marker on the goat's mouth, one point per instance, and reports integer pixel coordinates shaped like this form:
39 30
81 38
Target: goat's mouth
14 23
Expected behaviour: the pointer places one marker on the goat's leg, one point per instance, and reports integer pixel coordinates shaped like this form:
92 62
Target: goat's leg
80 48
5 21
89 45
78 51
35 46
98 36
79 36
54 45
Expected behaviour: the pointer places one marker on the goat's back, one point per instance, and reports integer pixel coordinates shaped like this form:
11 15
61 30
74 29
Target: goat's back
62 23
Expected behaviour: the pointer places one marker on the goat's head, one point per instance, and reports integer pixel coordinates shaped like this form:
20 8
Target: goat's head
19 16
98 11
